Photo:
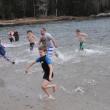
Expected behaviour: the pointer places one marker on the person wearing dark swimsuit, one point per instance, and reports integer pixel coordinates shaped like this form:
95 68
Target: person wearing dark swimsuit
47 67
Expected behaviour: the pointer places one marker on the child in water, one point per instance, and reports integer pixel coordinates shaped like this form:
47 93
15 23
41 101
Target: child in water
82 38
32 39
47 67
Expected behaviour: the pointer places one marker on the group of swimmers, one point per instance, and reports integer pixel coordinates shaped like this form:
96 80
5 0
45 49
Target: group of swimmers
46 46
46 39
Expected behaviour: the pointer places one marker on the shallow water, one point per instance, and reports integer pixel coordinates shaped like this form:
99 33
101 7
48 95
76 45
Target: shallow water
83 77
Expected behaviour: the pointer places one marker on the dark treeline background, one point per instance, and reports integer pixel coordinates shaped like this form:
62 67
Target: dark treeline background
10 9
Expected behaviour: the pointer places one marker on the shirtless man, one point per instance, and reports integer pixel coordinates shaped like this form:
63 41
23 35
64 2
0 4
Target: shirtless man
82 38
31 38
48 41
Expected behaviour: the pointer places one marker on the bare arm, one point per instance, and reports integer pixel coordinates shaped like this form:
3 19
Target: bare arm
54 42
51 70
13 38
34 37
27 69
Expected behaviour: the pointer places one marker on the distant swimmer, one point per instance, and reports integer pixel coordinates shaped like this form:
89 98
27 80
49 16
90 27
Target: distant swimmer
48 41
16 35
82 38
11 36
32 39
47 67
3 53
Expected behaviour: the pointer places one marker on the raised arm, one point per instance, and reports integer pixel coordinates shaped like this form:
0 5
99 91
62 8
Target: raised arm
54 42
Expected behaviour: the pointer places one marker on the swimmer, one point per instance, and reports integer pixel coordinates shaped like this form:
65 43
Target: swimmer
48 41
82 39
32 39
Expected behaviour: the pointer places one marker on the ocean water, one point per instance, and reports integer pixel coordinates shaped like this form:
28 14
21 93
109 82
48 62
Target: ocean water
83 78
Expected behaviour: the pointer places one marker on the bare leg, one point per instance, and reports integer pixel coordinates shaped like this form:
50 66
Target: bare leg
44 87
53 86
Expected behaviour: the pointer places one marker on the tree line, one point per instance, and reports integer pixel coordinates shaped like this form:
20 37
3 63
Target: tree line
11 9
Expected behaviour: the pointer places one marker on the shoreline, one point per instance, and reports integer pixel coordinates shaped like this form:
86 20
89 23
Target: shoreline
32 20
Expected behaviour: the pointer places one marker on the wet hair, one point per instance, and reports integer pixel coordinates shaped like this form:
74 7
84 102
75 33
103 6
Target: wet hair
44 29
43 48
77 30
29 31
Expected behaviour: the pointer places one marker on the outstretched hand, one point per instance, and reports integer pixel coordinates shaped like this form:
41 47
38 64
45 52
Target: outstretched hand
26 71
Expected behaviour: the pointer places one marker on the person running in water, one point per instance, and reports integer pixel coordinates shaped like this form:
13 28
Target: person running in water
82 38
47 66
32 39
3 53
48 41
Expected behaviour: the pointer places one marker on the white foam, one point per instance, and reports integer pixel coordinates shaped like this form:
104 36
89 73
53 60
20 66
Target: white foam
88 52
14 44
67 56
65 90
43 97
59 54
9 45
79 90
91 51
91 82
